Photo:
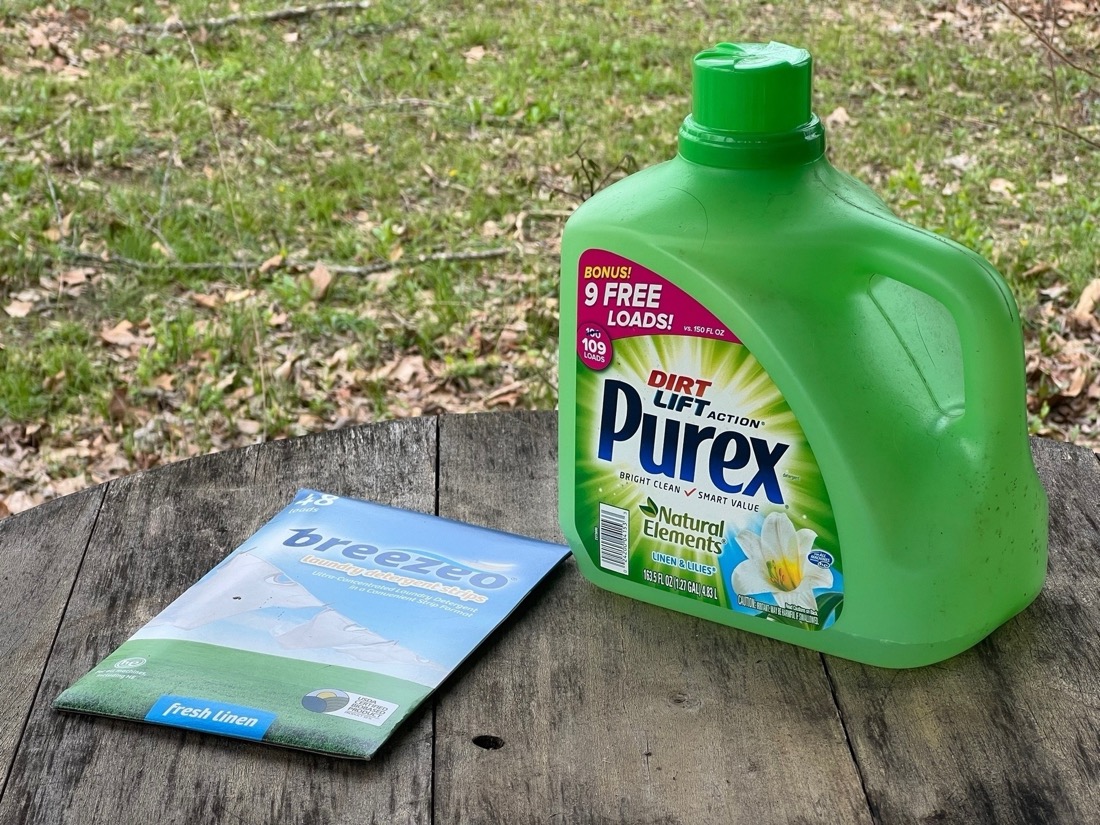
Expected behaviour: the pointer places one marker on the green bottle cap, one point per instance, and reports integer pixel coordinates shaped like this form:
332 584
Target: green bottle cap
751 107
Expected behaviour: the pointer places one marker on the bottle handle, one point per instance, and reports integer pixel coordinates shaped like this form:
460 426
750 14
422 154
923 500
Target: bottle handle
987 321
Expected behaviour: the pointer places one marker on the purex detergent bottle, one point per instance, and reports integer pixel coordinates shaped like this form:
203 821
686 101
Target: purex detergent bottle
781 407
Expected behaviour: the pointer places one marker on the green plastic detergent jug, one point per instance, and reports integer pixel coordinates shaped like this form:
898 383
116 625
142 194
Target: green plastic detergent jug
781 407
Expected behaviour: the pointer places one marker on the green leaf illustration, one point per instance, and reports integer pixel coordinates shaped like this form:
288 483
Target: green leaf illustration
828 603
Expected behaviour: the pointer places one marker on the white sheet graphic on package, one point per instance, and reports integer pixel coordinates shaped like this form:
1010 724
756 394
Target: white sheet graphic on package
333 630
388 652
243 584
329 629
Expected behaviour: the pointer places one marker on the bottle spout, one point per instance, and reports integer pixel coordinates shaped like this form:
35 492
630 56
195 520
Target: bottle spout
751 107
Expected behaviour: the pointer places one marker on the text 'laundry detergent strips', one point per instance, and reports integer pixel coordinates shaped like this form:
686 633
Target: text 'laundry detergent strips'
783 408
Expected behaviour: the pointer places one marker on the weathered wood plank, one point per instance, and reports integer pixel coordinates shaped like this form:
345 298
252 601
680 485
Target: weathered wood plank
158 532
614 711
609 710
40 555
1010 731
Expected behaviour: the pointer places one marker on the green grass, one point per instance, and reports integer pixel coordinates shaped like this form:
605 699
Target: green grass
211 673
413 128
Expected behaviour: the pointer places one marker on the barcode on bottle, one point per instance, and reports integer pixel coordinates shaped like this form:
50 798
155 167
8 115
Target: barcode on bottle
614 538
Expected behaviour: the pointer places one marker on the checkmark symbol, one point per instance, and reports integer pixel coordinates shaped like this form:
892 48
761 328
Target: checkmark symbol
689 492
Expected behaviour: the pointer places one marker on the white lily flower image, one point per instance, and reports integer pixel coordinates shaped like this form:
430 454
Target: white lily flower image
778 564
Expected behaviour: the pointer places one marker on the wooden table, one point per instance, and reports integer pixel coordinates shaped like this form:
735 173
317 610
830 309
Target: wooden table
609 710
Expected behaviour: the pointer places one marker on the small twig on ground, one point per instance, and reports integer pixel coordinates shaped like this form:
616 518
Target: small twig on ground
385 266
1050 17
973 121
442 183
1047 42
37 133
292 265
263 366
521 219
421 103
1073 132
293 13
53 197
58 212
230 192
411 102
152 224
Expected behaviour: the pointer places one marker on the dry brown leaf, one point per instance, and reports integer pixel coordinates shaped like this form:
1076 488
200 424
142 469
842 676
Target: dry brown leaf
40 38
72 73
474 54
75 277
961 161
235 296
52 382
226 382
110 465
509 338
1001 186
1090 295
207 301
118 406
341 357
408 369
249 427
20 501
120 335
1039 269
19 309
320 279
1077 383
282 372
838 117
1054 291
382 281
272 262
66 486
506 396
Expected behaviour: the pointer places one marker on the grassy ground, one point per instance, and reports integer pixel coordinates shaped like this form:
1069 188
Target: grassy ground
258 228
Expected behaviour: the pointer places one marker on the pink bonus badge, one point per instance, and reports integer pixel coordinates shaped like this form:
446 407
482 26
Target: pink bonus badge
594 346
